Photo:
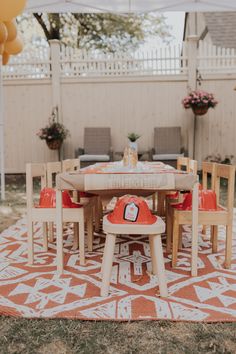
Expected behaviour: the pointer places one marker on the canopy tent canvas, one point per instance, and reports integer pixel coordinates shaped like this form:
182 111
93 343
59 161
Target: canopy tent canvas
129 6
109 6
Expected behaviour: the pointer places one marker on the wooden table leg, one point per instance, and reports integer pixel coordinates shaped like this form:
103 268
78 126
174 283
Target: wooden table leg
194 230
59 231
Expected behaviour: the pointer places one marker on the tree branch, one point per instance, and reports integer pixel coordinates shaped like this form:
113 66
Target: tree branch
43 25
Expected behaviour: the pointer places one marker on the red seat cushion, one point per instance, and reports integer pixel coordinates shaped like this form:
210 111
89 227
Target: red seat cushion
86 195
48 199
173 195
206 201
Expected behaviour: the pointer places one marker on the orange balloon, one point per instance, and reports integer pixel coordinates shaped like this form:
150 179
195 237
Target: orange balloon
5 58
1 48
14 47
3 32
10 9
11 30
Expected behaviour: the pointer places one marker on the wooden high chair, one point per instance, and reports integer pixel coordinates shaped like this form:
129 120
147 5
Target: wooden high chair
71 165
154 232
35 213
190 166
53 168
221 216
183 164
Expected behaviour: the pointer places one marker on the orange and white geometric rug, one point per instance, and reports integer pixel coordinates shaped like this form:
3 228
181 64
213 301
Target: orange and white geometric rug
38 292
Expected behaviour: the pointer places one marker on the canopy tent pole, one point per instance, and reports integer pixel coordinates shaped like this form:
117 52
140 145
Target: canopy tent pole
2 164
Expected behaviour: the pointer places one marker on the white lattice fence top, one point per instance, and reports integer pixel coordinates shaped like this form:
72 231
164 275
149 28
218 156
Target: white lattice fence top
76 63
72 62
213 59
30 64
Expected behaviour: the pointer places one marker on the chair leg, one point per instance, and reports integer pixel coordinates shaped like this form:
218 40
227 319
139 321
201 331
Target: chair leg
154 198
152 253
161 203
228 248
30 241
81 243
211 233
107 263
97 214
76 236
45 237
90 233
180 243
204 230
50 232
214 238
159 264
169 229
175 242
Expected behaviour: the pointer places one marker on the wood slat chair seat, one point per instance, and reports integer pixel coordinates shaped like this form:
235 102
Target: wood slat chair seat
35 214
221 216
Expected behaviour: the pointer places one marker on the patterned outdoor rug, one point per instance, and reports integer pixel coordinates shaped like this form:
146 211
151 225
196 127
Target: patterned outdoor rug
36 291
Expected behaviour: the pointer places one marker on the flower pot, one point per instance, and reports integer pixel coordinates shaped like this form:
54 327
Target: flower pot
54 144
133 145
200 110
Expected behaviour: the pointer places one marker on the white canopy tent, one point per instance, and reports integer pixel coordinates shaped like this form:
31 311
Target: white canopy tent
129 6
109 6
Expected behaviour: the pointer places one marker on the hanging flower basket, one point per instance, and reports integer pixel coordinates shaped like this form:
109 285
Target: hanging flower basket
54 144
200 110
200 102
54 133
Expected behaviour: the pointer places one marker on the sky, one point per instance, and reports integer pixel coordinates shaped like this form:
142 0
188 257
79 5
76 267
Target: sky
176 21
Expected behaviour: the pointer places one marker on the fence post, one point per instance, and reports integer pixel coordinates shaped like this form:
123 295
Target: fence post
2 143
56 75
56 83
192 41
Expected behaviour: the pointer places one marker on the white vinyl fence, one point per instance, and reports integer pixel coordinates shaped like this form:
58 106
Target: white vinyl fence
127 92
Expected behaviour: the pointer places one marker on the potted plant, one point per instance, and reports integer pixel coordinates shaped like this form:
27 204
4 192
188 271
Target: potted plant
199 101
54 133
133 137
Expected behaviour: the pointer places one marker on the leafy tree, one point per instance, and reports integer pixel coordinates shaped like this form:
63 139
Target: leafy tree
106 32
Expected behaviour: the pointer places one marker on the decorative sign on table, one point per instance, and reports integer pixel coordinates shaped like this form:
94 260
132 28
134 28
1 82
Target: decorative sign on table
115 176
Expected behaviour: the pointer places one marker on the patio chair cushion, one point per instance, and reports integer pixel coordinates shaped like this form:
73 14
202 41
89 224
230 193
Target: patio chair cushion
87 158
165 157
167 140
97 140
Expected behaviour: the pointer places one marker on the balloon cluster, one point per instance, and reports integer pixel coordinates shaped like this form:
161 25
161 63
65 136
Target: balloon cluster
10 42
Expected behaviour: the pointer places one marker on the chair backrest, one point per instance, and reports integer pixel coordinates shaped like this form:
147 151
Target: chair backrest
67 165
75 164
227 172
52 169
182 163
208 169
97 141
70 165
34 170
192 166
167 140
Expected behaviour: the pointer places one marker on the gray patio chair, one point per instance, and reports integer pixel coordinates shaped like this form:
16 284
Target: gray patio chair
97 145
167 144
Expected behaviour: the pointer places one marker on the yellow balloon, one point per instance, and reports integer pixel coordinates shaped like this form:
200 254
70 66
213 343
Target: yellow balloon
10 9
5 58
11 30
1 48
14 47
3 32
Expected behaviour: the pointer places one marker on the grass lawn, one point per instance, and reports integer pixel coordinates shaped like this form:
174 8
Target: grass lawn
25 336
